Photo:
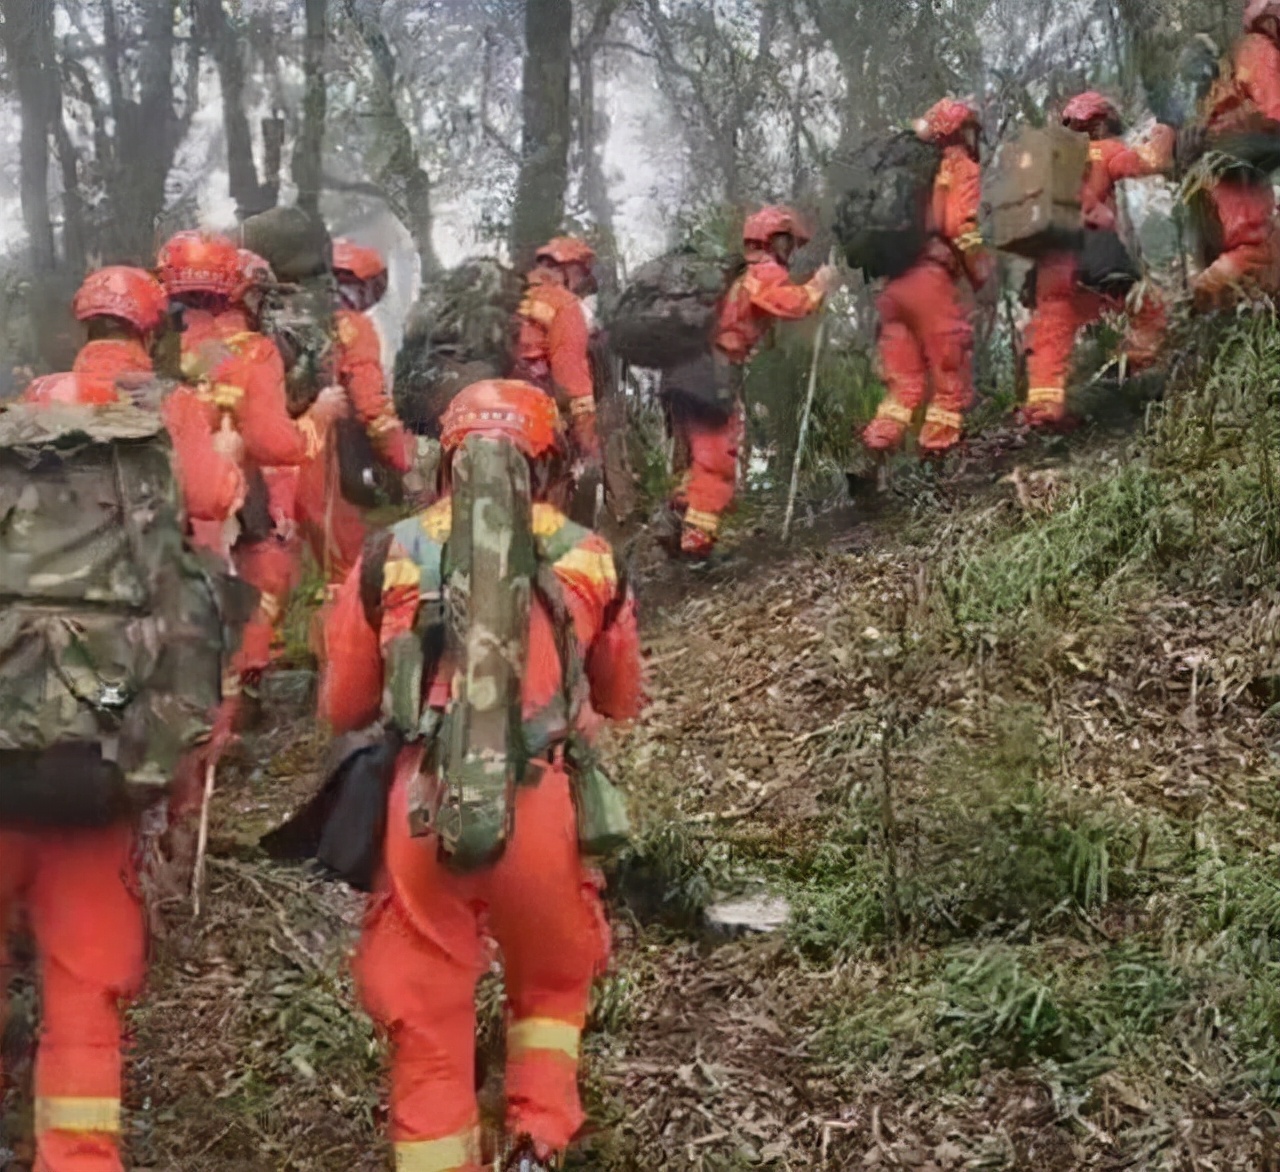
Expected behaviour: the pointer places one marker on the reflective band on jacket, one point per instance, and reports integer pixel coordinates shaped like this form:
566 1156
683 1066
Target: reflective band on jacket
696 519
101 1116
439 1155
582 405
941 418
311 436
891 409
1046 395
544 1033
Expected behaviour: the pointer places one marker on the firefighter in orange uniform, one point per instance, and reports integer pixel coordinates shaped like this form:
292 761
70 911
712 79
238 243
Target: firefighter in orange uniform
1064 307
422 948
332 525
79 887
239 375
1243 201
123 310
926 331
709 420
553 344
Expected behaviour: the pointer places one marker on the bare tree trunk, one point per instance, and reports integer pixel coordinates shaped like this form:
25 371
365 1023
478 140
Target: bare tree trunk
544 165
307 156
27 32
593 132
402 177
147 137
250 195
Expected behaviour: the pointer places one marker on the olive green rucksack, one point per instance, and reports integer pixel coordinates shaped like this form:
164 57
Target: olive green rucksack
111 631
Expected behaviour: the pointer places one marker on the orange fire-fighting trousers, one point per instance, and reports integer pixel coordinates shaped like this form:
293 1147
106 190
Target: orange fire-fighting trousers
1063 308
926 338
422 953
79 890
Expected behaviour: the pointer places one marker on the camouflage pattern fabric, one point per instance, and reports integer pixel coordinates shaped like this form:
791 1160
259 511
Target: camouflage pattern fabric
110 630
489 564
299 320
459 332
882 207
668 312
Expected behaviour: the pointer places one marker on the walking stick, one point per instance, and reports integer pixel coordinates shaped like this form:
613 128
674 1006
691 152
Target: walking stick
818 342
202 839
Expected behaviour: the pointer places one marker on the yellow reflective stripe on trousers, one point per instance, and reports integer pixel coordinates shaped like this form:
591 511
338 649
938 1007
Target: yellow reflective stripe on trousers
439 1155
943 418
544 1033
707 522
891 409
100 1116
1046 395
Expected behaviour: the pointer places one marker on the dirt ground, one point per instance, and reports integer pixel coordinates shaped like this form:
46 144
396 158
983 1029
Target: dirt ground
707 1053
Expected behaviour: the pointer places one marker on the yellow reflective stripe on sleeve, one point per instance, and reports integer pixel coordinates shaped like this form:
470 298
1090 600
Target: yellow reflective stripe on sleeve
969 241
591 564
100 1116
227 396
537 310
400 572
890 408
544 1033
942 418
709 523
437 521
311 434
439 1155
582 405
386 420
547 519
1046 395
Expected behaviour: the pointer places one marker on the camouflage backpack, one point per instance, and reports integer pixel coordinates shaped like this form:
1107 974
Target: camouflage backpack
111 636
668 312
299 320
476 592
459 332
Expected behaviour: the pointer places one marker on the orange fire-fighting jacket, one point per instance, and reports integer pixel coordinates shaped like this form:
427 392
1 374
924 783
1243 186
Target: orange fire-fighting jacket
359 369
762 295
240 374
957 201
1111 160
1251 87
351 693
554 337
212 486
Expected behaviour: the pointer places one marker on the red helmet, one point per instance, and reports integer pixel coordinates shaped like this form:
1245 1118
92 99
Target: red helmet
363 264
200 262
776 220
133 295
946 119
505 408
567 250
1085 109
69 389
1257 11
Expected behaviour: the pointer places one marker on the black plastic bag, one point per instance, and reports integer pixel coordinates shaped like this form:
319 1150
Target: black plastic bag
344 825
